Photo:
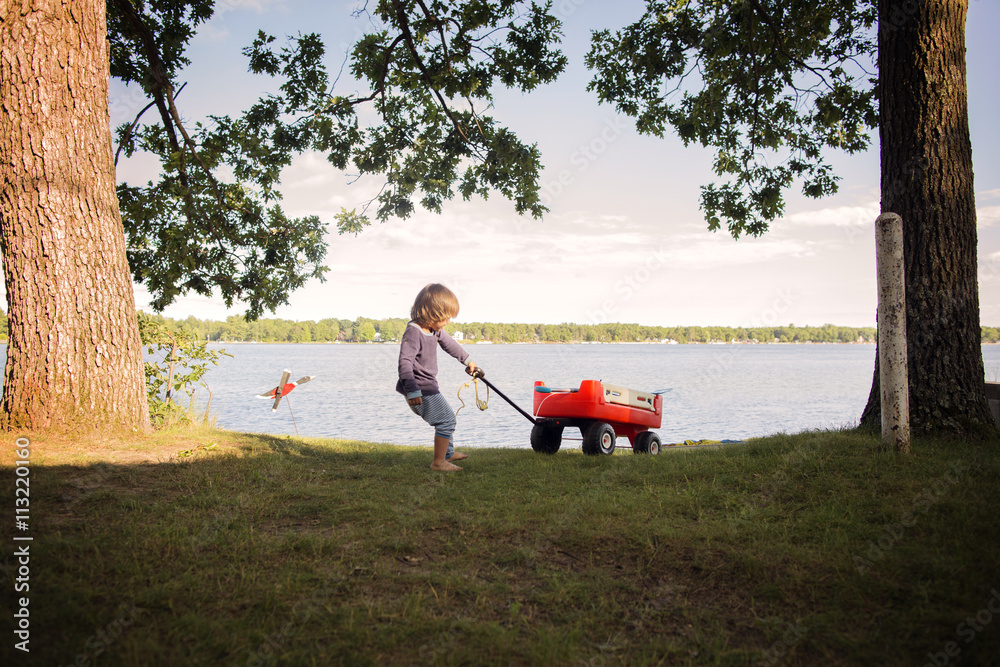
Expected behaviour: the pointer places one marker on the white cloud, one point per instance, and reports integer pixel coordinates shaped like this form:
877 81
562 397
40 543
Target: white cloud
719 252
987 216
215 29
257 6
865 215
840 216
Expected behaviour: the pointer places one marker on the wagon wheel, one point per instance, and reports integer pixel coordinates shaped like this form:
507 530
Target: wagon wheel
647 442
546 437
598 438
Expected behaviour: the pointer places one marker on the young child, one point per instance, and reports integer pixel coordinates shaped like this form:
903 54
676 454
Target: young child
433 308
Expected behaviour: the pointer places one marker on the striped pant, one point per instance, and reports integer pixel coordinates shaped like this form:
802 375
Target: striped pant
434 410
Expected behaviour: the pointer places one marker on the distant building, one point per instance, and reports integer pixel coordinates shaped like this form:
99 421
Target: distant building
458 335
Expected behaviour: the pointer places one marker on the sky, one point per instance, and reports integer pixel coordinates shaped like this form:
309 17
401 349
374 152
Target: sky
624 240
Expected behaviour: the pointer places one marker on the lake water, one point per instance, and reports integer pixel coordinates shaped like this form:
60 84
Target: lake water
715 391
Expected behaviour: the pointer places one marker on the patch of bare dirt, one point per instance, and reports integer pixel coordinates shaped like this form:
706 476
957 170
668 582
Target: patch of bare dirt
121 449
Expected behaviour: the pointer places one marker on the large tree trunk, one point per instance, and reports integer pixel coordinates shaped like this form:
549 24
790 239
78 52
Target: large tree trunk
74 357
927 179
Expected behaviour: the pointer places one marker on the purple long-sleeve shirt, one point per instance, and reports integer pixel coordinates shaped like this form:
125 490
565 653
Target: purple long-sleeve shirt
418 359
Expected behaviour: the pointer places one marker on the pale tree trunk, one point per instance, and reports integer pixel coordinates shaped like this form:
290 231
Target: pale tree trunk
927 179
74 357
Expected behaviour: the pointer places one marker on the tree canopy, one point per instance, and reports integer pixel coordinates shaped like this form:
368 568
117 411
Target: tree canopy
769 85
430 67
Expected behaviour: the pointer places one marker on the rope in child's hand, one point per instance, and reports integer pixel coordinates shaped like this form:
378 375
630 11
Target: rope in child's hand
481 404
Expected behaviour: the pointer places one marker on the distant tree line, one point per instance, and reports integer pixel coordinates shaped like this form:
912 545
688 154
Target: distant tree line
365 330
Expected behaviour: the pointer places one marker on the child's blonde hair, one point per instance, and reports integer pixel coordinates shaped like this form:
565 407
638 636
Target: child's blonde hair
434 303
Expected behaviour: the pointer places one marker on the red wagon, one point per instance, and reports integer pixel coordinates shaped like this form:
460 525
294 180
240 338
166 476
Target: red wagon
602 412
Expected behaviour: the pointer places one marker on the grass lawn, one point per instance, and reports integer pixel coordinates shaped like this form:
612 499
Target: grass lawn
812 549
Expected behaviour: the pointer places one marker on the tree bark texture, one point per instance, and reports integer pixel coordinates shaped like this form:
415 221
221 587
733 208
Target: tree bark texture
926 172
74 357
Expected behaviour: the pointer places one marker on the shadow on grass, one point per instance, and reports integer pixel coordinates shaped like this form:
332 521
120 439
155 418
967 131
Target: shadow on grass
805 549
